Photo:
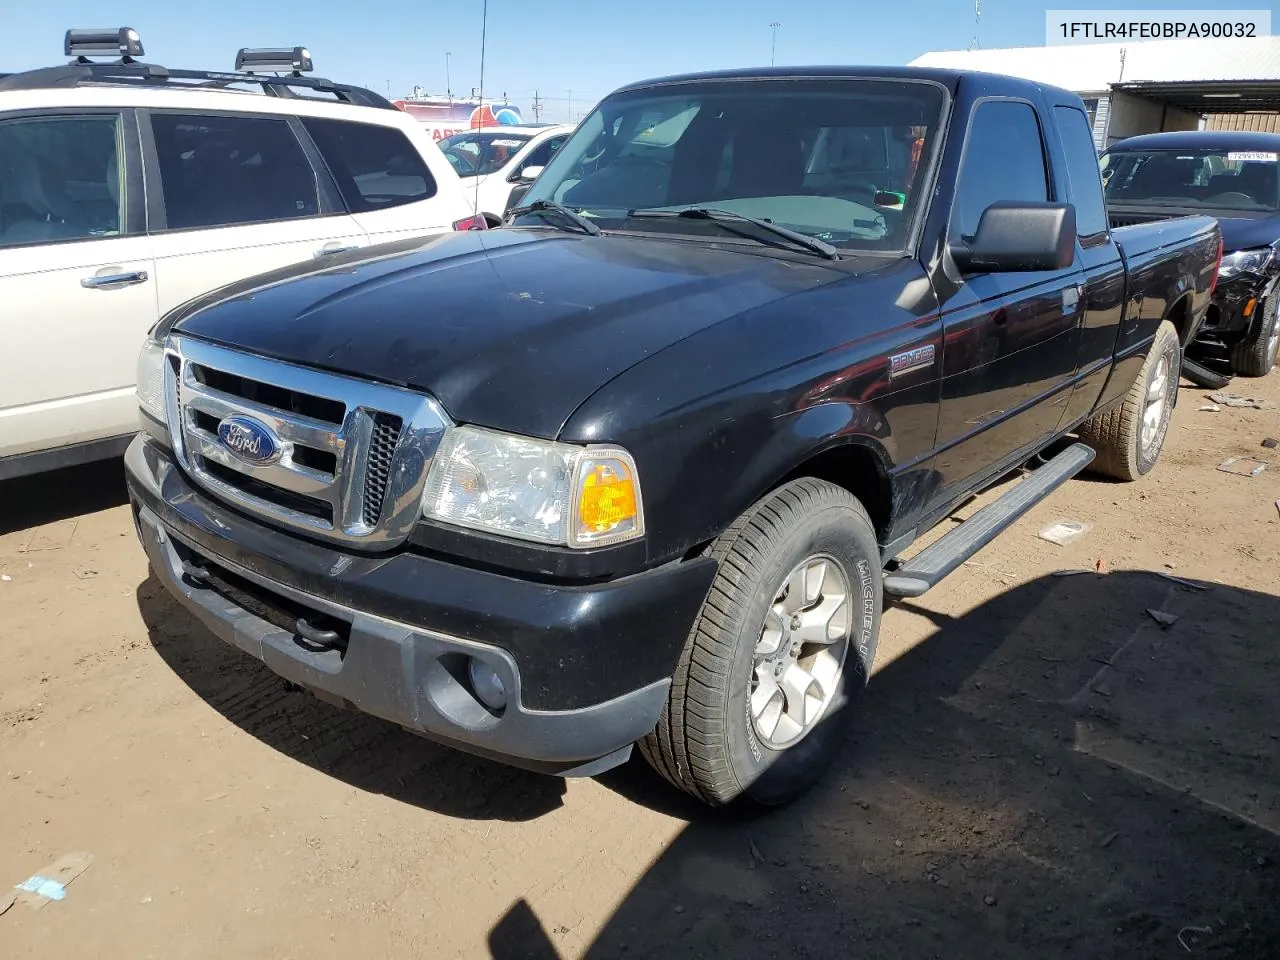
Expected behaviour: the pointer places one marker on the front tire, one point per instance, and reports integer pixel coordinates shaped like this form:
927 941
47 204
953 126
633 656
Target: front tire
1256 354
781 649
1128 438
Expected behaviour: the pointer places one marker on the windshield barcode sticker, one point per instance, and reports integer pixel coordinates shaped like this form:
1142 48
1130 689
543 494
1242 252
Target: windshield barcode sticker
1252 156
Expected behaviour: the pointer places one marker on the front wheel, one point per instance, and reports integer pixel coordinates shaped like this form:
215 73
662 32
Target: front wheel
1256 354
782 647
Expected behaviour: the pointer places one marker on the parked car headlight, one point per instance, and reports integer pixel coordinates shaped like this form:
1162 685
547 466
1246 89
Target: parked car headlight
554 493
1245 261
151 379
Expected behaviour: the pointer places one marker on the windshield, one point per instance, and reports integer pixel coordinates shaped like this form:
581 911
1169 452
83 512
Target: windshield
838 159
478 153
1210 179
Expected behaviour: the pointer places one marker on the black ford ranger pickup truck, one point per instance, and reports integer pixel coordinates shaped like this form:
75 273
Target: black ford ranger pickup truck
641 464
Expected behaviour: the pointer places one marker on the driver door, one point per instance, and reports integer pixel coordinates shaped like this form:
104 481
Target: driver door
1011 339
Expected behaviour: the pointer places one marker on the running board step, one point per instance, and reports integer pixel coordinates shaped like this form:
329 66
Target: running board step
930 565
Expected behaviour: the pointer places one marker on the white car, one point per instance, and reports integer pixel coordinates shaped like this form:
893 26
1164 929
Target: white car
128 189
491 161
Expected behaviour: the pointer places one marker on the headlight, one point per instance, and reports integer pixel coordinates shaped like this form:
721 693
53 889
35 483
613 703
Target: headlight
151 380
555 493
1245 261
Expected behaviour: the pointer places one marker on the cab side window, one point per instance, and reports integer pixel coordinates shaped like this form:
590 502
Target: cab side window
61 178
1003 160
218 171
1082 170
541 155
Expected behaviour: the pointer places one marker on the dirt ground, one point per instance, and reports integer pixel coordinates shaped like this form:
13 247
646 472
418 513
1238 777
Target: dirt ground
1039 768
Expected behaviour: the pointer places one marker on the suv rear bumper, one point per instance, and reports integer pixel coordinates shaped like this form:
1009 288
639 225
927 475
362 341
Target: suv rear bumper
586 668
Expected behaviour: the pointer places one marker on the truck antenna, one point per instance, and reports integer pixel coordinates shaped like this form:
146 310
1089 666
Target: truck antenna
484 28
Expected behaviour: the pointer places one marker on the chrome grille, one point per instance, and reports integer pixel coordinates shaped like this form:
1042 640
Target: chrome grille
351 456
382 448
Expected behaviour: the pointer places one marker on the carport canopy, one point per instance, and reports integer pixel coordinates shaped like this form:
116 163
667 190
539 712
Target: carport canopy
1210 96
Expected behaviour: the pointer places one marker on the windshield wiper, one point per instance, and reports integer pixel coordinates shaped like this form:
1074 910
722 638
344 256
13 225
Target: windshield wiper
726 217
550 206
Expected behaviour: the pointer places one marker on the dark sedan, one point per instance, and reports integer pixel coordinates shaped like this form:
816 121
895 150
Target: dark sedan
1235 177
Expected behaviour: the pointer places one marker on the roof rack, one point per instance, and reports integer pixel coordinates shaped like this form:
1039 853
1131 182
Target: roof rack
127 71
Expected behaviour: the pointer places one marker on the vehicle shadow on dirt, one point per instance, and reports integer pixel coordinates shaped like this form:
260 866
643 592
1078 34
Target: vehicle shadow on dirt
357 749
27 502
1053 774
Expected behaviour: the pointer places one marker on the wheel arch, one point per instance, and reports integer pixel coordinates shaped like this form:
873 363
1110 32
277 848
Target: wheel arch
857 465
1182 315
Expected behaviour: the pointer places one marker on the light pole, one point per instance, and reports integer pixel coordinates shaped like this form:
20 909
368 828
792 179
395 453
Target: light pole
773 46
448 83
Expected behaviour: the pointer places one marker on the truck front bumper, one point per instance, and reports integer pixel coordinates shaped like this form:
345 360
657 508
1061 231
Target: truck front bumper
586 669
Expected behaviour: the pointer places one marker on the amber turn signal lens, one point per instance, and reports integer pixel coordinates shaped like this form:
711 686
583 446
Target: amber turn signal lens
1248 307
608 498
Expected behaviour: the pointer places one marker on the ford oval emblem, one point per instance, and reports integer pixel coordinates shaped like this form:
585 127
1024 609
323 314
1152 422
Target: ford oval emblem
249 440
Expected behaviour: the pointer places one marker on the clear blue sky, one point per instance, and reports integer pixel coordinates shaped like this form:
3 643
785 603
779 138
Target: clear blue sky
552 46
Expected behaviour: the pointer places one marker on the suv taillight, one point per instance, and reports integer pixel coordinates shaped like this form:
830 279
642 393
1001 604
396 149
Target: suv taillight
478 222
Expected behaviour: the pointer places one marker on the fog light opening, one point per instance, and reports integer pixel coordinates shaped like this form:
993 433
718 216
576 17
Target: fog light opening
486 684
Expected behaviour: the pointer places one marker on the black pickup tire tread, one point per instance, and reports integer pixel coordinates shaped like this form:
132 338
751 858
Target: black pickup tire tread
1116 434
688 747
1249 356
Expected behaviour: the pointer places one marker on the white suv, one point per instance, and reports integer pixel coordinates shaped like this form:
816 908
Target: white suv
127 189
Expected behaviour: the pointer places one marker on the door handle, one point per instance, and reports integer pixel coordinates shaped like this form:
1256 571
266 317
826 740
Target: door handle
329 249
109 280
1071 298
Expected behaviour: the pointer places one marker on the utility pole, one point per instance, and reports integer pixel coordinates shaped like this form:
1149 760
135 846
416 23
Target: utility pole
448 82
571 106
537 108
773 46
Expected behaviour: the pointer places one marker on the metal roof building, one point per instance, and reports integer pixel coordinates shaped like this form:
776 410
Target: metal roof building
1144 87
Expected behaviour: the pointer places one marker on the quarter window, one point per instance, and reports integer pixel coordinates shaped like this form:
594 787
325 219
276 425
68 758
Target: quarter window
1082 167
376 167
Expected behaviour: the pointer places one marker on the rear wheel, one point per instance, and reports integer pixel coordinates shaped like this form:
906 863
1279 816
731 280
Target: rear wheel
780 651
1128 438
1256 354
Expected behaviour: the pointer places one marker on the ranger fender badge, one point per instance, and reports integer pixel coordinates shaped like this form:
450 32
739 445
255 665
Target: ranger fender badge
917 359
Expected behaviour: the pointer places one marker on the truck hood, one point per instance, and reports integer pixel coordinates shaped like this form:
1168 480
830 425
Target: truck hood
1241 233
511 329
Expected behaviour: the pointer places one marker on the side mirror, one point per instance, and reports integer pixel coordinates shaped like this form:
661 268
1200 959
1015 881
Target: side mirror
529 174
514 198
1020 236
